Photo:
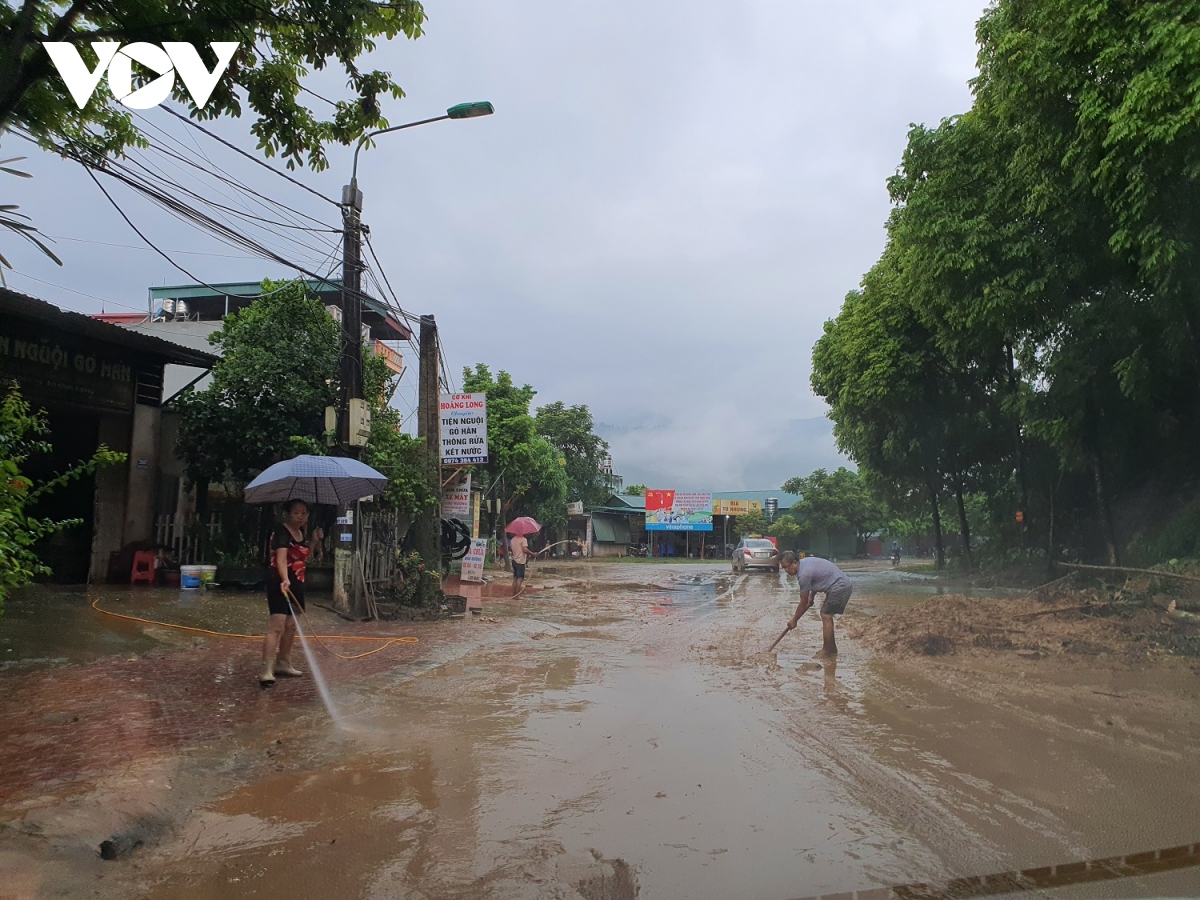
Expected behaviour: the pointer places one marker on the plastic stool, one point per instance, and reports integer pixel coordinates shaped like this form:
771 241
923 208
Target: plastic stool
143 567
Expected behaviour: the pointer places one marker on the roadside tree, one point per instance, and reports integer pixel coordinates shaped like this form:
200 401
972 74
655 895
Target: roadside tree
569 429
836 500
524 469
281 42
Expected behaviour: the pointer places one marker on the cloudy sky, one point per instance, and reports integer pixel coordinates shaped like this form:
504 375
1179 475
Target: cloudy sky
671 199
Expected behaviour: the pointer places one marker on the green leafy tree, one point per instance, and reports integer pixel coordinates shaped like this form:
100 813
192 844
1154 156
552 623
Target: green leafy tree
751 523
412 473
635 490
277 373
281 42
24 433
569 429
786 529
524 469
836 500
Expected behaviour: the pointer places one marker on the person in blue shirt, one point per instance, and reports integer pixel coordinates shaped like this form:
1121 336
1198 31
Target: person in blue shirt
818 576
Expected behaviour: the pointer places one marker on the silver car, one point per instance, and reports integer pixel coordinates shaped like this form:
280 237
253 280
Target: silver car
755 553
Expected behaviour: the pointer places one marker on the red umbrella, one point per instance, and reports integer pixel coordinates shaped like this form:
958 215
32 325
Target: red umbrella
523 525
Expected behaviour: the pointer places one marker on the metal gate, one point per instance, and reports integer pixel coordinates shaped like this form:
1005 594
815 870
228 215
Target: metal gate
378 536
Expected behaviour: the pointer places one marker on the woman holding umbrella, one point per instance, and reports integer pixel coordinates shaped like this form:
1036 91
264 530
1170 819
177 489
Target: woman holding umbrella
297 482
289 558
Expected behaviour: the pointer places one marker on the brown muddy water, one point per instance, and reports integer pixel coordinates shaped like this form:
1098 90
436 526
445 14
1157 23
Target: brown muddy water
619 733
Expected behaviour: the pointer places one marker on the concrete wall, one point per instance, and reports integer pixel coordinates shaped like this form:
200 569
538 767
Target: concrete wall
145 443
109 517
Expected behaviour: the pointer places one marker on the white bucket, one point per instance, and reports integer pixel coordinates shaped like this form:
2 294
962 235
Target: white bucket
208 574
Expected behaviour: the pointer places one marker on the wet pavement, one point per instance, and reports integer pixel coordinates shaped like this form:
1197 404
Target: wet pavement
616 733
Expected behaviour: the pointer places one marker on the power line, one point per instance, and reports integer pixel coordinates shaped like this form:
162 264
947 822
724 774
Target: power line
219 173
80 293
59 237
250 156
160 252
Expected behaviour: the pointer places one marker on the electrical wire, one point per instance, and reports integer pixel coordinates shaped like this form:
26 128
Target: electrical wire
91 174
223 175
60 237
80 293
249 156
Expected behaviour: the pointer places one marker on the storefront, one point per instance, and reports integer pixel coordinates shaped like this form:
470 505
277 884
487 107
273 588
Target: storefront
98 384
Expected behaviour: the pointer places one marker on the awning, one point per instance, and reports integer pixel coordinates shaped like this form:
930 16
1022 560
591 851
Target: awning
610 529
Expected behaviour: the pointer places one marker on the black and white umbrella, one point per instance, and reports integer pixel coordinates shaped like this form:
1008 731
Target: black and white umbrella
332 480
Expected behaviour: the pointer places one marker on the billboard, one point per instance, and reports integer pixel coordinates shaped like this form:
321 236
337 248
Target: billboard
736 507
464 429
679 510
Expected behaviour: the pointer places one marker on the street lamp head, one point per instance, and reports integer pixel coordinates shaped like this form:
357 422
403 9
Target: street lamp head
470 110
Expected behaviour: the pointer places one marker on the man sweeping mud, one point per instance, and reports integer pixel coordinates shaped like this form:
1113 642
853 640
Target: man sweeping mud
818 576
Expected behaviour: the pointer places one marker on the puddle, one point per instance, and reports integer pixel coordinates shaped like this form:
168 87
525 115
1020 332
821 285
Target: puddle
617 736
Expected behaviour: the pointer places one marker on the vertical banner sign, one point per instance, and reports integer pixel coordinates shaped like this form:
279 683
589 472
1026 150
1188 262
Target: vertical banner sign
464 429
472 564
456 501
475 514
679 510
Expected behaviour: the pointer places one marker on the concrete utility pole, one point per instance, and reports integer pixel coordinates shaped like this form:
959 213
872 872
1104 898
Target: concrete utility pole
351 305
429 428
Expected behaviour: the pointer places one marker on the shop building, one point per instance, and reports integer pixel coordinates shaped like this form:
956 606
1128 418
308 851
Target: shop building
98 384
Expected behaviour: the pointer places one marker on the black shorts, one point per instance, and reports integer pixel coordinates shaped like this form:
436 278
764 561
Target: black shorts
518 570
836 598
277 603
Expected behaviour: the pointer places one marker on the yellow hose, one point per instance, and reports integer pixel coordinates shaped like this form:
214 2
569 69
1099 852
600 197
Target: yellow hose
320 639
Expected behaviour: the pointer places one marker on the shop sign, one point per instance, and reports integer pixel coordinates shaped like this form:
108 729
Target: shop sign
464 429
575 509
51 370
456 501
679 510
472 564
736 507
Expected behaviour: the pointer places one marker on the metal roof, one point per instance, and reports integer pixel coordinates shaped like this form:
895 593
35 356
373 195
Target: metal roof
31 309
252 289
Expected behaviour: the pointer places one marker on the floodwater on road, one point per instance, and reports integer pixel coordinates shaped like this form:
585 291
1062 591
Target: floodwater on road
619 732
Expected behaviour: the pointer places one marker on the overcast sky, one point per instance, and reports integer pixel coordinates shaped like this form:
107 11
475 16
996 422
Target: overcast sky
671 199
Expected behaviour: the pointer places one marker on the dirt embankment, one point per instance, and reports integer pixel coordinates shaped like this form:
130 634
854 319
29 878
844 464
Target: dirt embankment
1134 623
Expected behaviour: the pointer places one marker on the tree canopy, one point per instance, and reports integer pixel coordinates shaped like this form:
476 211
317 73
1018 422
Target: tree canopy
524 469
569 429
281 41
277 372
1029 340
835 500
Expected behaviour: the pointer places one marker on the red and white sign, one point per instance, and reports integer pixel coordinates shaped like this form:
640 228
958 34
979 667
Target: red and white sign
656 500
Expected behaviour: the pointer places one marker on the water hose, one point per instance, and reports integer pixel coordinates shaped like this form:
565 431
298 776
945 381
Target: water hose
320 638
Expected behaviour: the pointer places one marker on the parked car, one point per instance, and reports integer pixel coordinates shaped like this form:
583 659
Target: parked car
755 553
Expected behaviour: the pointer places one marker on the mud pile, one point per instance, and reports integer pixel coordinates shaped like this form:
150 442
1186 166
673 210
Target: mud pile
1127 622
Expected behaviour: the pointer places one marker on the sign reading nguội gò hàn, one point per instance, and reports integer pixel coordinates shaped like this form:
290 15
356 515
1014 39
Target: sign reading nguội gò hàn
52 369
464 429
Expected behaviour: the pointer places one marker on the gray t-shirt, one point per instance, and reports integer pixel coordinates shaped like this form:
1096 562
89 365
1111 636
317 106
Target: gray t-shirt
819 575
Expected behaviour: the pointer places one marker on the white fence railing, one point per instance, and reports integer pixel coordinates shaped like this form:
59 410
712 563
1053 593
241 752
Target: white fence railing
187 536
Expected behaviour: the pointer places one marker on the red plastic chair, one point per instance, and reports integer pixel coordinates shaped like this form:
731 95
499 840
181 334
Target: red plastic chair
143 567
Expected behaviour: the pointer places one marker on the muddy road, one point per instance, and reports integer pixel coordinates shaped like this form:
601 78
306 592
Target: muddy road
617 733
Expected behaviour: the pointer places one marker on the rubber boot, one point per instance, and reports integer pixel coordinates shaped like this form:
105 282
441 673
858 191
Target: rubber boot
267 677
283 666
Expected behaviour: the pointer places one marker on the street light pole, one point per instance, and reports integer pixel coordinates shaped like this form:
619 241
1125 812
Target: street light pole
351 408
350 300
